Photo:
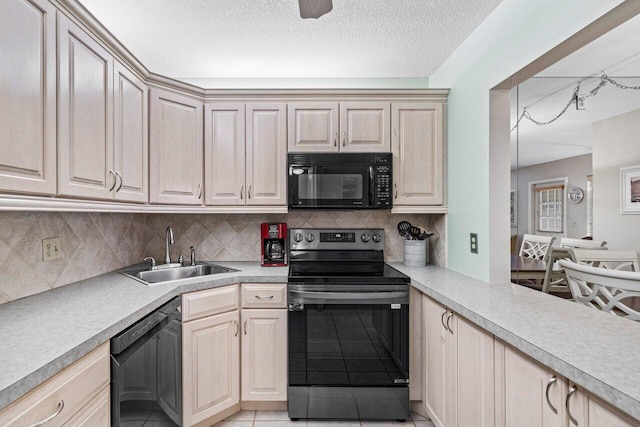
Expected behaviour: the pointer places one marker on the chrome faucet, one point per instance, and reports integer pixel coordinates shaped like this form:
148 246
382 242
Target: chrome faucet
168 240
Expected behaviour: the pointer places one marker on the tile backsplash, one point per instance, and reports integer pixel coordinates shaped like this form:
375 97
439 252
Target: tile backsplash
96 243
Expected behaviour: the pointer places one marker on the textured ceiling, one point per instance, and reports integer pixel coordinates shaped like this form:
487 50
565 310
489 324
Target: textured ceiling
617 54
190 39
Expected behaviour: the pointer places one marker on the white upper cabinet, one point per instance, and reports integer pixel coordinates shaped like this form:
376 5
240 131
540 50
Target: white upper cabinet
28 100
85 115
175 149
418 153
131 141
224 154
313 127
266 152
339 127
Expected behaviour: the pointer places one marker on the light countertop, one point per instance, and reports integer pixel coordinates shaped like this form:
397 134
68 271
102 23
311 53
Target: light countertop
44 333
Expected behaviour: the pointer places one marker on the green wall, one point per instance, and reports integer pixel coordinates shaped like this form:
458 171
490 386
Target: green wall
515 34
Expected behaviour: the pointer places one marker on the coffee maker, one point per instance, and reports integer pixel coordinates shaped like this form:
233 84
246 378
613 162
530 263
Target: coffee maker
274 244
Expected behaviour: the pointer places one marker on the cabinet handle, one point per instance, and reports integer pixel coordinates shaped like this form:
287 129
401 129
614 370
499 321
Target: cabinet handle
241 191
335 138
344 138
237 327
449 318
572 391
444 313
551 382
245 326
261 297
119 186
249 191
199 191
50 417
115 180
395 187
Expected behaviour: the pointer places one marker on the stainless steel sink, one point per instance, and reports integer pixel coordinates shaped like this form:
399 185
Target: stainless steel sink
161 275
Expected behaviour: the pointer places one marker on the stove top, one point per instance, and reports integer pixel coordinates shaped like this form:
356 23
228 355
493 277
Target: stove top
349 256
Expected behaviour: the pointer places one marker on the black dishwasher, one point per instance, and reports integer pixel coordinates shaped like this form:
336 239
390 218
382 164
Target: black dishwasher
146 369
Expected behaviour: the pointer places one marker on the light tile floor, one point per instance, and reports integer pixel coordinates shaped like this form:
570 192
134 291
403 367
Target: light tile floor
280 418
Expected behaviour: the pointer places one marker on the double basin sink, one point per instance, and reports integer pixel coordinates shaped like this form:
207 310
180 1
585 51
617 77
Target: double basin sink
177 272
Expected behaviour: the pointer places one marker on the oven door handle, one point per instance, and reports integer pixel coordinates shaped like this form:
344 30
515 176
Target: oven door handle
372 186
338 296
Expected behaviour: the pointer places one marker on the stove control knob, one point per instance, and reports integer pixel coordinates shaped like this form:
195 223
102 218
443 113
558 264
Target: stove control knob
377 237
365 237
298 237
309 237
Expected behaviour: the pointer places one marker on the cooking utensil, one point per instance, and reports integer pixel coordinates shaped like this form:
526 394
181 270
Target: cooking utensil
411 232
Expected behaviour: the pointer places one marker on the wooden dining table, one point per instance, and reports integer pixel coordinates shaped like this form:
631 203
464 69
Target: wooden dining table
525 268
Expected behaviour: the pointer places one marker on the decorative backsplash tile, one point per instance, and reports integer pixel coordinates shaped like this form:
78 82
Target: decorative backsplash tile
236 237
96 243
91 243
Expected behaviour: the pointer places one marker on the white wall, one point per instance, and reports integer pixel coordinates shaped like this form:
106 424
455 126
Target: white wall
576 170
616 144
514 35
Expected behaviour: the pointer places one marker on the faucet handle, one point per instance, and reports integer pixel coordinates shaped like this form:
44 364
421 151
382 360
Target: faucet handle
181 259
153 261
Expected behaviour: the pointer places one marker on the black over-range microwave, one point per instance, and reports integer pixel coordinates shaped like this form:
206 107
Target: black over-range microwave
340 180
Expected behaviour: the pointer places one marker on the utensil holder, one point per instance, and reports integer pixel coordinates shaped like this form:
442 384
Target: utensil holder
416 253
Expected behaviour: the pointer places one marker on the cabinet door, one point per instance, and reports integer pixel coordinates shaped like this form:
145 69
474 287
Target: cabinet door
436 362
313 127
224 156
418 154
521 385
266 154
211 366
364 127
588 411
473 376
175 149
85 115
28 101
131 142
264 355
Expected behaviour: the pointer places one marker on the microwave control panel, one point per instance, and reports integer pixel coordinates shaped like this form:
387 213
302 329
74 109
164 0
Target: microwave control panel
383 182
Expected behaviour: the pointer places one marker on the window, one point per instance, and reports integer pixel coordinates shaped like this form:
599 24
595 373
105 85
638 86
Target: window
549 208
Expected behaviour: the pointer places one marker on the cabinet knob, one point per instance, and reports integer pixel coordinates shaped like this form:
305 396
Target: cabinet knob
449 318
249 191
335 138
241 191
59 409
199 191
395 187
344 138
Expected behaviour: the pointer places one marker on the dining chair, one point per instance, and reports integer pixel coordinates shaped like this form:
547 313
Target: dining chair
602 288
534 246
554 278
610 259
568 242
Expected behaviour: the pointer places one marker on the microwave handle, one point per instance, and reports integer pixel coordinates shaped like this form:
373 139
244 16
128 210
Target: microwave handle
372 185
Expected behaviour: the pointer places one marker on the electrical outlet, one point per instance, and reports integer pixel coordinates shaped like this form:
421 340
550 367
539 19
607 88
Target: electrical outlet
473 243
51 249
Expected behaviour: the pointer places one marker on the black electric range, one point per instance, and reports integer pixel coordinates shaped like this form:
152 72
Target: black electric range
348 327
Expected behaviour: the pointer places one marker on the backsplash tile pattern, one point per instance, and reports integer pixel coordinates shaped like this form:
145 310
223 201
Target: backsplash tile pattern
92 244
235 237
96 243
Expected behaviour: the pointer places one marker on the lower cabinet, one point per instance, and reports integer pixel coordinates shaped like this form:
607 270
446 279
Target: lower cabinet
264 355
529 394
77 396
458 369
218 349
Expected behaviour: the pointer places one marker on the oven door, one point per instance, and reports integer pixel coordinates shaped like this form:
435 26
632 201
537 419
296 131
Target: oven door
348 351
331 185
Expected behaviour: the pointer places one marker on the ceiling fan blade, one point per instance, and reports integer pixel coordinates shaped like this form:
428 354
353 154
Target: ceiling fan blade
314 8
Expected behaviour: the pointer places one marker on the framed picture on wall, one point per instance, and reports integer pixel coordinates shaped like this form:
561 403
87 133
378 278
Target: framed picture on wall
630 190
514 209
